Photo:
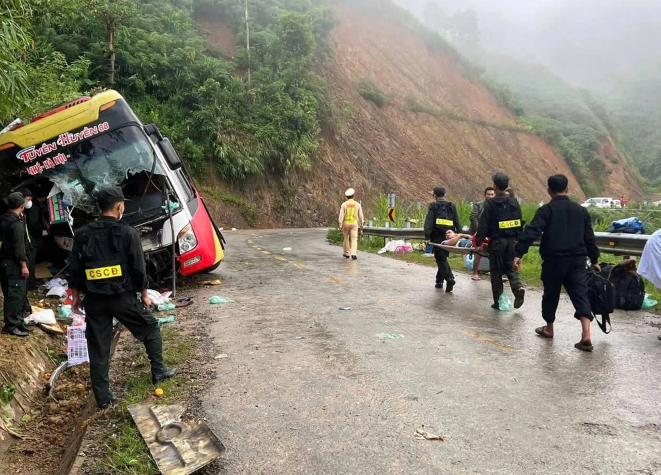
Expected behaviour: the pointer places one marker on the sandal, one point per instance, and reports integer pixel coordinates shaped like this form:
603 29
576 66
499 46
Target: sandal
476 278
583 346
540 331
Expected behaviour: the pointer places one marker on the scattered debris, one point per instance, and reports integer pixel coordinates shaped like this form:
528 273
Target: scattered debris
345 308
185 303
212 282
178 448
51 329
44 316
217 300
286 249
158 392
52 379
220 357
422 434
299 337
162 321
166 307
390 336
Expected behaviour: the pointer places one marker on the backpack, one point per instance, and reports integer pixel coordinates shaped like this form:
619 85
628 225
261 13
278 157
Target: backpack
602 299
507 214
443 218
629 286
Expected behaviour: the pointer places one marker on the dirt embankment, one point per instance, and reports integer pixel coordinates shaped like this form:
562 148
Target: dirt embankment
393 149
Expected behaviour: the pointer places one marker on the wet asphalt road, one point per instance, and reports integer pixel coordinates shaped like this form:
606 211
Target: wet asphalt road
310 389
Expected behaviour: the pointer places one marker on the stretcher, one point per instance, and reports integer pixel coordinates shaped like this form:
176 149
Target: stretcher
466 251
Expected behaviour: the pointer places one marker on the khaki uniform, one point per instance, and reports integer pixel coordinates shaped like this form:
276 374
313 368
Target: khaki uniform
350 219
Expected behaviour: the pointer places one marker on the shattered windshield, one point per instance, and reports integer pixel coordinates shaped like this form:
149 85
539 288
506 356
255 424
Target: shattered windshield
102 161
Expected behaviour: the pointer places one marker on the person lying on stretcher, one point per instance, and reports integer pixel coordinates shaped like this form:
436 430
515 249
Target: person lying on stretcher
457 239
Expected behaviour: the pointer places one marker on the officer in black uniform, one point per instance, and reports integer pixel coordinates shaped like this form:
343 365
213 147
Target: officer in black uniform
107 265
501 223
567 240
441 216
35 219
14 265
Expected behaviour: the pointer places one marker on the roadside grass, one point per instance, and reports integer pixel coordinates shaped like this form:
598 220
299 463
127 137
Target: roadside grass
127 453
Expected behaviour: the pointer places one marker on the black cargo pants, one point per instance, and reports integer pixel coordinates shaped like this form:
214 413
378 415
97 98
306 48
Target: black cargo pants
571 273
130 312
501 256
444 272
14 290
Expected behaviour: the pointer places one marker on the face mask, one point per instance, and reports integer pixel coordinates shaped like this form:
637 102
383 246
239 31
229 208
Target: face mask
28 204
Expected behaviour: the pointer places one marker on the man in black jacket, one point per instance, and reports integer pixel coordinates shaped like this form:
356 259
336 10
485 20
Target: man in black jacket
501 223
567 240
14 251
441 216
107 264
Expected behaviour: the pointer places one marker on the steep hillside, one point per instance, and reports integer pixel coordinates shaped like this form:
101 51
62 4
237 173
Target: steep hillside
394 149
570 119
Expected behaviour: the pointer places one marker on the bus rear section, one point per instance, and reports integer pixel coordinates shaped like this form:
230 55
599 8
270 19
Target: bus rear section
65 156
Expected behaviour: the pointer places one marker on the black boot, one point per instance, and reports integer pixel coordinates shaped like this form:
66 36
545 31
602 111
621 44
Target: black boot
519 297
159 377
450 286
15 331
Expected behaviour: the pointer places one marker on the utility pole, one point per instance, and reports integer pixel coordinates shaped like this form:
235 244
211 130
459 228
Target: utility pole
248 44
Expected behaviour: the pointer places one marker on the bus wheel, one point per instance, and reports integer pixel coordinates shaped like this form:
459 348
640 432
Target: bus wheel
208 270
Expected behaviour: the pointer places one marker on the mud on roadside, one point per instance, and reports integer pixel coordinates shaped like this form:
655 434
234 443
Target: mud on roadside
111 443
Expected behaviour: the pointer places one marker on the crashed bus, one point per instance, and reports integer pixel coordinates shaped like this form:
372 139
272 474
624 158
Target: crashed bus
67 155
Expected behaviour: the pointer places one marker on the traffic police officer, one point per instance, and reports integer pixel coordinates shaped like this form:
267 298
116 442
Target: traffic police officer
501 223
441 216
108 265
14 250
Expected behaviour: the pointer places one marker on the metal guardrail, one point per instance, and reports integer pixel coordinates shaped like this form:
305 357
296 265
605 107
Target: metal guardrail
618 244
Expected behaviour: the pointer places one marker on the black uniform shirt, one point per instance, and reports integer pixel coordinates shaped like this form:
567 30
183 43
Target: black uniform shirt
488 222
35 220
136 259
430 221
566 231
15 244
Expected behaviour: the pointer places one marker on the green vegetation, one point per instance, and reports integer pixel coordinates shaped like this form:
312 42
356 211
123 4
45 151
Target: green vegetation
152 53
637 105
370 91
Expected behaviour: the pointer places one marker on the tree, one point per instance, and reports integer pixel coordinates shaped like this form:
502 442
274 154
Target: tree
112 13
15 42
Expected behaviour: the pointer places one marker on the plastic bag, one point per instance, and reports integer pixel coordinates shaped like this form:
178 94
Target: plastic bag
217 300
64 312
162 321
504 302
648 302
166 307
404 249
47 317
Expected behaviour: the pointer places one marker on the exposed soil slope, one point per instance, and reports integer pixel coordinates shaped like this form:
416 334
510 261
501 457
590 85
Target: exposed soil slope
393 149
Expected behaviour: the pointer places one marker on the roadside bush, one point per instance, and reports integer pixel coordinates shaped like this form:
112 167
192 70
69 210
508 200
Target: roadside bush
370 91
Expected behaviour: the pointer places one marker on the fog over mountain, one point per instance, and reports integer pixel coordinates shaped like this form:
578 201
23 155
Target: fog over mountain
588 42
